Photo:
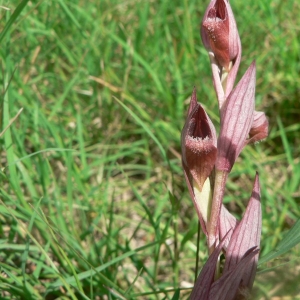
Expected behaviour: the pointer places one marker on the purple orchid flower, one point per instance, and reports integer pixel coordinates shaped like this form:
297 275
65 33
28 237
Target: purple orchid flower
245 236
221 39
219 32
199 152
199 142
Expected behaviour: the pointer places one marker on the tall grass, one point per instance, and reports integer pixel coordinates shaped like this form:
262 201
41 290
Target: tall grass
93 201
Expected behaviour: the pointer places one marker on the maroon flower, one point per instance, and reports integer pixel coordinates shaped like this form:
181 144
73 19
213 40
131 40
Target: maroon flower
198 142
219 32
199 152
221 39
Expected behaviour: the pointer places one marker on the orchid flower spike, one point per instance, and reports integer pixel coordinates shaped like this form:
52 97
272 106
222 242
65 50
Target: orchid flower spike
207 163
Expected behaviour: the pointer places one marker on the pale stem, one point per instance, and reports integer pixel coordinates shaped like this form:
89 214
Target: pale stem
224 76
216 72
213 223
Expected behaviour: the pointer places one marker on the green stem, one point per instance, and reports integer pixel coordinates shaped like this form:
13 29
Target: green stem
176 251
197 253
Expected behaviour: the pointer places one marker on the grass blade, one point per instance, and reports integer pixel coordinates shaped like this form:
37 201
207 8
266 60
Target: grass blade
291 239
12 19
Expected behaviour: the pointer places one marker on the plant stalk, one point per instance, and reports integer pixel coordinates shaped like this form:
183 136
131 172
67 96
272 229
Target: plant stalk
213 223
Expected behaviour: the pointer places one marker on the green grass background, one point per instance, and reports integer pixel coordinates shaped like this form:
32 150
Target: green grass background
93 199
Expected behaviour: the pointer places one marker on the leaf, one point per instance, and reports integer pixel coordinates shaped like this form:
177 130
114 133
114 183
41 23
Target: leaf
12 19
176 295
93 271
146 128
291 239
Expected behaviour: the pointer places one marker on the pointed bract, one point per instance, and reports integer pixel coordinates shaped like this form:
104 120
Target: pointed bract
228 286
206 277
193 102
227 224
245 236
236 120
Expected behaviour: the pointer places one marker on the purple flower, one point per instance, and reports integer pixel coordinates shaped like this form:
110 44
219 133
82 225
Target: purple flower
219 32
221 39
198 142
